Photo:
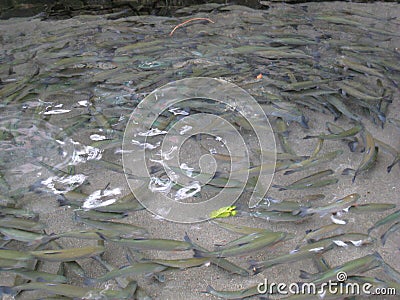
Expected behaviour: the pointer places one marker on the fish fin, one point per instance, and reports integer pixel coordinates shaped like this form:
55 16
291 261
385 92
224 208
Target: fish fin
62 201
280 187
305 275
347 171
102 236
289 172
89 281
209 290
198 253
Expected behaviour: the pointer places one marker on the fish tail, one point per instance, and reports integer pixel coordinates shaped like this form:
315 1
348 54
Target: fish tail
296 212
377 256
370 229
7 290
354 177
383 239
62 201
89 281
303 211
43 240
255 267
196 249
48 238
257 270
209 290
353 145
280 187
304 122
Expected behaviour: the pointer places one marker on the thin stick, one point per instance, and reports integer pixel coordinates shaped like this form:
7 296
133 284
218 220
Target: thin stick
187 21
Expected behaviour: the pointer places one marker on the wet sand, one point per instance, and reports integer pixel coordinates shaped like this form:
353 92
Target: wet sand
375 185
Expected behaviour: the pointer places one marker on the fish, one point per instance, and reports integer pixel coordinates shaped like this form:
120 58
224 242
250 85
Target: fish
388 219
356 239
337 136
135 269
293 256
152 244
313 161
244 239
260 242
85 234
71 254
18 212
38 275
228 266
395 227
355 66
271 204
15 255
183 263
287 112
352 91
395 162
303 85
342 107
20 223
239 294
307 185
371 207
336 206
98 215
353 267
278 216
283 134
11 264
32 238
123 229
315 235
73 291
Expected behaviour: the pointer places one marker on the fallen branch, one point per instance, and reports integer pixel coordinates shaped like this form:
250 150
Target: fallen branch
187 21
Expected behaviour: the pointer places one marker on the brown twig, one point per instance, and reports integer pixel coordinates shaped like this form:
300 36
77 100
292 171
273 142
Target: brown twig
187 21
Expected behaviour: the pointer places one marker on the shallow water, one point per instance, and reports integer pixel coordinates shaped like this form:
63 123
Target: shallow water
70 86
